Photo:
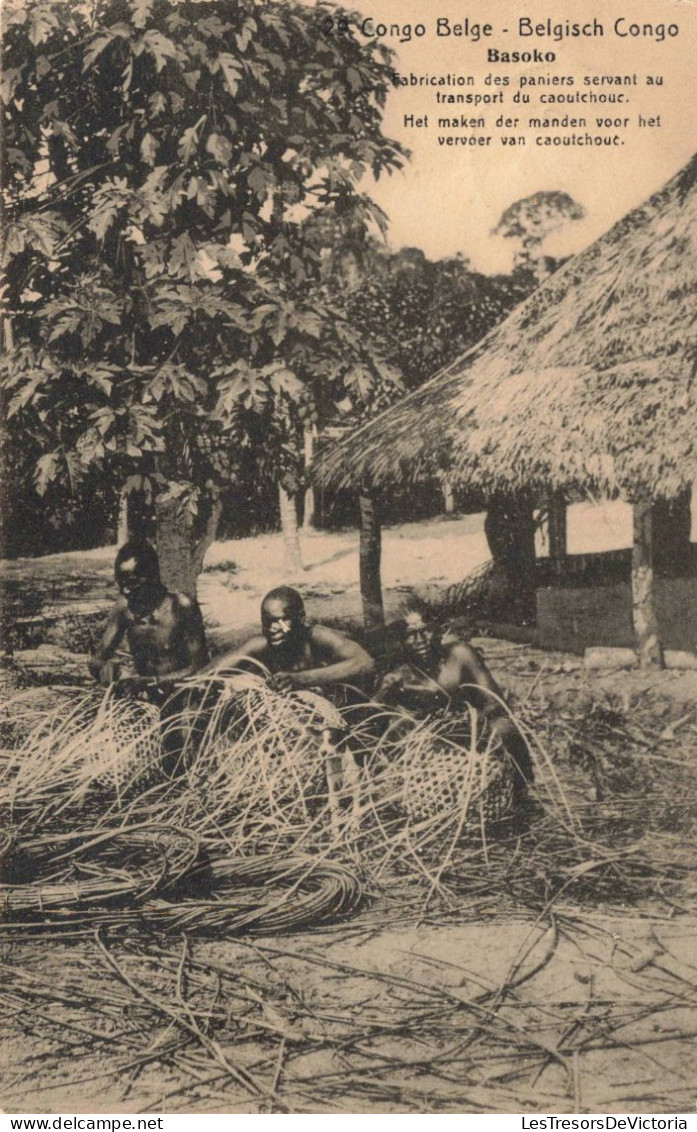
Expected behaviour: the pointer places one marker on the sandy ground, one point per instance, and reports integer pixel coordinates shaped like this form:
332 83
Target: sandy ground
595 1013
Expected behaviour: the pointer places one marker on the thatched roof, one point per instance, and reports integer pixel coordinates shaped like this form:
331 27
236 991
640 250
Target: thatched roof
589 382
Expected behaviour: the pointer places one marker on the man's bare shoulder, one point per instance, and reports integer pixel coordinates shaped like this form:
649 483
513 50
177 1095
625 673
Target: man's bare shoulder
323 635
335 643
457 649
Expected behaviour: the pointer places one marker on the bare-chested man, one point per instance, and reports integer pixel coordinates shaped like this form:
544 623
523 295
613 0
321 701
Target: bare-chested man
306 658
164 630
439 671
299 656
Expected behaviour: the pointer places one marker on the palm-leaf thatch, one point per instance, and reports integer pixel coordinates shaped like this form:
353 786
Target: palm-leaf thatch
588 382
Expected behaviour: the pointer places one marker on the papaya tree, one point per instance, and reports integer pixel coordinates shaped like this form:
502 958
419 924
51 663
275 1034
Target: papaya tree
165 310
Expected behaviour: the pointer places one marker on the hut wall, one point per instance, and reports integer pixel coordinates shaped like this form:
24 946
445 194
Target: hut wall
573 619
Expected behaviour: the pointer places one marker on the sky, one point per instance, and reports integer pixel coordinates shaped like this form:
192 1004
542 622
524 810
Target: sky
448 198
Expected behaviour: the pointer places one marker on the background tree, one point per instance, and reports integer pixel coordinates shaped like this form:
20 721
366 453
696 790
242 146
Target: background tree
530 221
422 314
164 298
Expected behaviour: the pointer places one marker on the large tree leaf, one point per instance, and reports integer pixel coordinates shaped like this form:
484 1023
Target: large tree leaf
46 470
232 71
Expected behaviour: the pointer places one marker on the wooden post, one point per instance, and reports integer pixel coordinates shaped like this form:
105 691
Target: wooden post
448 498
557 529
643 595
370 554
509 527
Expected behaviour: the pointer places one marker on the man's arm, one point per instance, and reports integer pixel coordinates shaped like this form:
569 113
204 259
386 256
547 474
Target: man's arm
111 639
193 634
346 663
463 665
391 685
255 649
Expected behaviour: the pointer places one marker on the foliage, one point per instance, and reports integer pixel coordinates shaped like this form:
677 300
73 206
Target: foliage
423 314
531 220
160 161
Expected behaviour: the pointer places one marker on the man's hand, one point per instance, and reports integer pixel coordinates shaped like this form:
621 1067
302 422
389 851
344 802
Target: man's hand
391 685
107 673
283 682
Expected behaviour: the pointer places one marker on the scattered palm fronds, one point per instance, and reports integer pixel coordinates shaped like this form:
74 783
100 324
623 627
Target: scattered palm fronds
265 1027
426 825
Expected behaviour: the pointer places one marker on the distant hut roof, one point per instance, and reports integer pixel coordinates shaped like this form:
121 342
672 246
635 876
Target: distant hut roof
589 382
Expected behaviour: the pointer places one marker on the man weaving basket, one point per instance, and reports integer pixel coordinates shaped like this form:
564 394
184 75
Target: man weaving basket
164 630
313 663
166 640
442 672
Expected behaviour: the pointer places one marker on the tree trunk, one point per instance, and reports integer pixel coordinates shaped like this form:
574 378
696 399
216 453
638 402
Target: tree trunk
448 498
181 548
175 544
643 594
309 501
510 531
207 536
671 526
122 522
557 529
293 563
370 553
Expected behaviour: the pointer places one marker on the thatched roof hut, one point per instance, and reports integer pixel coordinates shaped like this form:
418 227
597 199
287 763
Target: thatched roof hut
588 382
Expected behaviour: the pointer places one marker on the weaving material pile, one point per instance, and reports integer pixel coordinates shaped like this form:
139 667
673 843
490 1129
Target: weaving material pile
104 834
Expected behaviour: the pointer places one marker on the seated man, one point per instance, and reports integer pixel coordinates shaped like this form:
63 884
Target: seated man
308 658
299 656
439 671
164 630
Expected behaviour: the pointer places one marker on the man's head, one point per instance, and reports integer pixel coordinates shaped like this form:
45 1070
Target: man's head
418 636
137 572
283 617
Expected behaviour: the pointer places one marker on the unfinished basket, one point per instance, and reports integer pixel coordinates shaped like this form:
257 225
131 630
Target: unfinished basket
445 772
263 751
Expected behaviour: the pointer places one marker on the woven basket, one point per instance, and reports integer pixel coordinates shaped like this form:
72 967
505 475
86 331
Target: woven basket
446 781
446 776
131 737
